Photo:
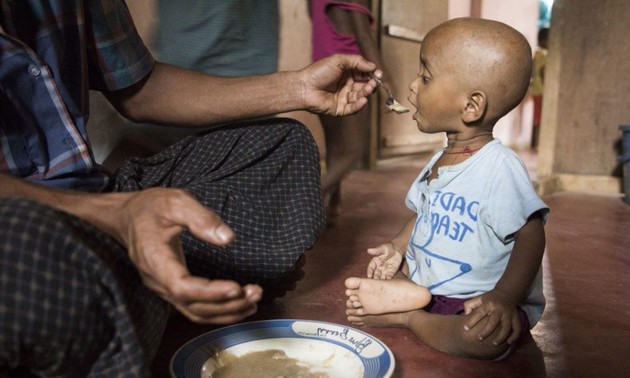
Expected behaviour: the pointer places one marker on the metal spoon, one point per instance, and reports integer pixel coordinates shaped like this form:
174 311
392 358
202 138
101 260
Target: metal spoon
391 102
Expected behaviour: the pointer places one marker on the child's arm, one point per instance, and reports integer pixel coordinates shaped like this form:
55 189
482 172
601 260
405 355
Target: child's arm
388 257
499 304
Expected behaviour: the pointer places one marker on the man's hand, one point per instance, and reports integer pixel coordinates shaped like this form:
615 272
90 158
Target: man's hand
338 85
501 312
386 261
151 223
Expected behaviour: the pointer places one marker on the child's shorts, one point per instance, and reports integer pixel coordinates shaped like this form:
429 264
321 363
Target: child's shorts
453 306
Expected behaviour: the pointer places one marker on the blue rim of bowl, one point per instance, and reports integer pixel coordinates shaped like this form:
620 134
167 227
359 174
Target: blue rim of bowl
189 359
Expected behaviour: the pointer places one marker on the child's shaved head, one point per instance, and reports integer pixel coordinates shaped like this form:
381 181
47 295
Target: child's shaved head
486 56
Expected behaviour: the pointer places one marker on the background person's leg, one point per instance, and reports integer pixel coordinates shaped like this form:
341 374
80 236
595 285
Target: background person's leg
347 144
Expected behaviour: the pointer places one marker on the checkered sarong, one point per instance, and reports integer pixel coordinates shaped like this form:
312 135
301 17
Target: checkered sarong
263 180
71 303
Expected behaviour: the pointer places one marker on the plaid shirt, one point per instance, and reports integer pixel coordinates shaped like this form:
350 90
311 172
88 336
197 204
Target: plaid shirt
51 53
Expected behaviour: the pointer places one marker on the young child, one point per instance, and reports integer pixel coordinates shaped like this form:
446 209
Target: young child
475 246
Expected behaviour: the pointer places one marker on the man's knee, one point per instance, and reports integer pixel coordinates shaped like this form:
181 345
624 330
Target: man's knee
298 132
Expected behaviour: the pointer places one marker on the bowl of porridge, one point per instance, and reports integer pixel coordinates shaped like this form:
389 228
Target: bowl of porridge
283 348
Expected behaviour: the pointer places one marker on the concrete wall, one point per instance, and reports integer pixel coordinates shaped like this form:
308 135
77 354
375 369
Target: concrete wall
587 83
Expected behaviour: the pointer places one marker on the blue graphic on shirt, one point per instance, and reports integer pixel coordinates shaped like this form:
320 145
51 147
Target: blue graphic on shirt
449 219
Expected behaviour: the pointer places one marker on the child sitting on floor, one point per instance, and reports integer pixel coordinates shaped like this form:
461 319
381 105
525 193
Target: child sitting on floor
470 282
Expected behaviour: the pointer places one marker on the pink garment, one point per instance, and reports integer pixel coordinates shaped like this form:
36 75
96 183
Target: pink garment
326 39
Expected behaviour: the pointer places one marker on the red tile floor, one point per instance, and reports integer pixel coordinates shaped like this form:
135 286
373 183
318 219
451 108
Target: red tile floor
584 332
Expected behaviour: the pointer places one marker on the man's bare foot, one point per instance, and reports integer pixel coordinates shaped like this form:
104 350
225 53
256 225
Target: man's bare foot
372 297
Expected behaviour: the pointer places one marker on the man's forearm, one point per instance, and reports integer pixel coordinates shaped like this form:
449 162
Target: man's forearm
174 96
98 209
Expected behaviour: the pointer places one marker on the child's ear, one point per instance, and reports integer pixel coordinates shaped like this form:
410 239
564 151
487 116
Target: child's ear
475 107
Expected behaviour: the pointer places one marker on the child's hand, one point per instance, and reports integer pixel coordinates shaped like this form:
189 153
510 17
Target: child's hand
501 312
386 261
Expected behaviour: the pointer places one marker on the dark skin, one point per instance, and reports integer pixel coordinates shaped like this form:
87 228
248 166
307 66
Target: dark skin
462 90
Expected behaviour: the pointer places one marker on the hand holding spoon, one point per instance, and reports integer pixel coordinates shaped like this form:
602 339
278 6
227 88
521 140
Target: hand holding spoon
391 102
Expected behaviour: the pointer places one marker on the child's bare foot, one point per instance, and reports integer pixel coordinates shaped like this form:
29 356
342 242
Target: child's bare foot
395 319
372 297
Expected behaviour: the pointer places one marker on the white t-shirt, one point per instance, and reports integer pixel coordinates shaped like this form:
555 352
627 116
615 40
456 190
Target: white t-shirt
467 218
